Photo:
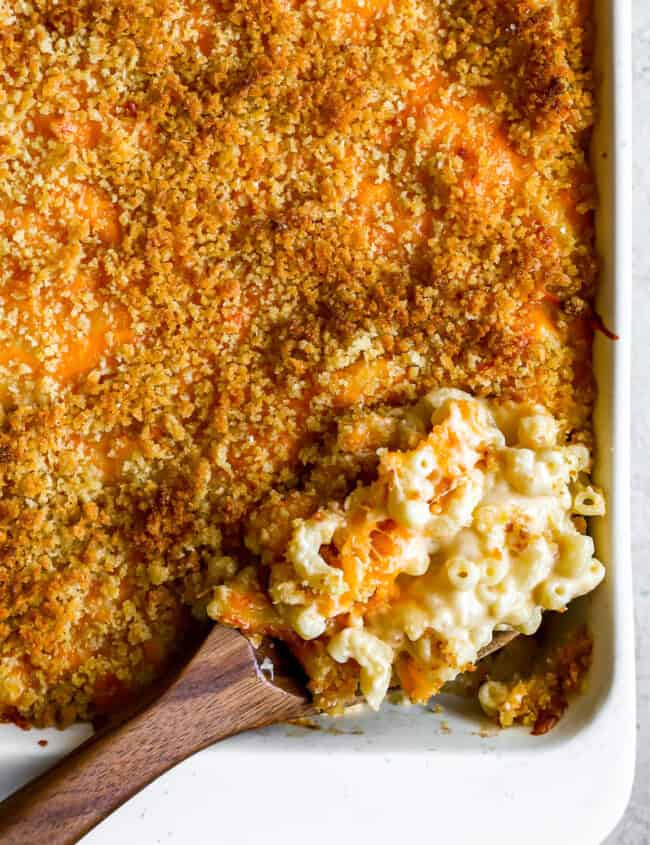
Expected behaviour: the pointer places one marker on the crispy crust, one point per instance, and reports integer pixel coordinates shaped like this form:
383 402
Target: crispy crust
540 699
223 230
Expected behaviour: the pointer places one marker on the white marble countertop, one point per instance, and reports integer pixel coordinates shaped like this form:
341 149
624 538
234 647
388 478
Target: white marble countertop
634 828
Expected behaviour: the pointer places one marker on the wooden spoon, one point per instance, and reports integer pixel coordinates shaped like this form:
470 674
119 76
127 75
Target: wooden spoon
220 692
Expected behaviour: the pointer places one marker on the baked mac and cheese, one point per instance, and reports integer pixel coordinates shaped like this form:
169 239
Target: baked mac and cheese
239 242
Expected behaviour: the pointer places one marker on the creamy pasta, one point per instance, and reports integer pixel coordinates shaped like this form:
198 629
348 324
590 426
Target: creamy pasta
471 531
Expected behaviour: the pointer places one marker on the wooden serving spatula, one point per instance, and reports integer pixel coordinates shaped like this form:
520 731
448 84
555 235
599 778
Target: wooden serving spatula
220 692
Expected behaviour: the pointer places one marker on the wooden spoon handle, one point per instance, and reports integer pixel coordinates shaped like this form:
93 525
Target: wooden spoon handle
86 786
205 704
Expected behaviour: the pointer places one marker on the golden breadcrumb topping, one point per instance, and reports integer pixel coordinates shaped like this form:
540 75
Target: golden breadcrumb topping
538 699
233 236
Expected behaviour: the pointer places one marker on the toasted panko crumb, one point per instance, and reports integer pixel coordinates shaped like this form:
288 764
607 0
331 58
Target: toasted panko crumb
539 700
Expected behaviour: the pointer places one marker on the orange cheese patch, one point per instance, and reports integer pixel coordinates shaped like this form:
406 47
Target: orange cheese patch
358 14
465 128
540 318
360 380
80 356
73 353
94 206
68 127
386 220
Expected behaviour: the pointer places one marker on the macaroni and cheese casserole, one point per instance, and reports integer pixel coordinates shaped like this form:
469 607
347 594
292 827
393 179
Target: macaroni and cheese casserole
295 335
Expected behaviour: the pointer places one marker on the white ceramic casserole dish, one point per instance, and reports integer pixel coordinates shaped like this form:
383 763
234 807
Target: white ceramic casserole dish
409 774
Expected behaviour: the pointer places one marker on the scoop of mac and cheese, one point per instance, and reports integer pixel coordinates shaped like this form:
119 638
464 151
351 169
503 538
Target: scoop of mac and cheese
473 528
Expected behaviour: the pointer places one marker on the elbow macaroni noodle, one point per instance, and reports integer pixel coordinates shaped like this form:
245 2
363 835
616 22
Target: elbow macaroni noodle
374 656
470 532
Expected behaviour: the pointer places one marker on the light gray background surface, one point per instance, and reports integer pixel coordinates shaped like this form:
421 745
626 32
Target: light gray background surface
634 828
